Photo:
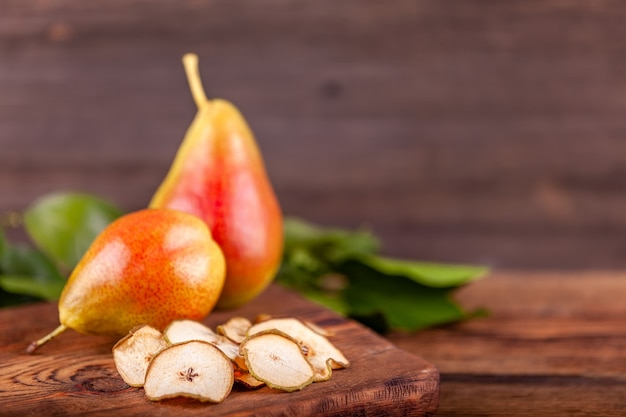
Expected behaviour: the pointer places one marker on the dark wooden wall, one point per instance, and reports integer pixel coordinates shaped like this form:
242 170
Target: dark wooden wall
472 131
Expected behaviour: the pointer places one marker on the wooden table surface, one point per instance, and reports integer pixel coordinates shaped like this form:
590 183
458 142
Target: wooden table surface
74 375
553 345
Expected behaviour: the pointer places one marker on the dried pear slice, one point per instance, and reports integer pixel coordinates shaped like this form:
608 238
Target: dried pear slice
228 347
318 350
185 330
133 353
235 329
193 369
240 362
262 317
276 359
244 378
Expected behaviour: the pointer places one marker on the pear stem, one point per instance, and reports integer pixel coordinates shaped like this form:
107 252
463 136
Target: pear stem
37 343
190 62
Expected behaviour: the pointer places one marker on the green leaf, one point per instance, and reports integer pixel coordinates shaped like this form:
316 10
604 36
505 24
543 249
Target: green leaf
329 244
27 271
63 225
330 300
404 304
382 292
33 285
429 274
2 243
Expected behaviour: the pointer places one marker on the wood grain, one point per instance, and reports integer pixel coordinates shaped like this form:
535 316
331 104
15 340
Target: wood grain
459 131
551 346
75 375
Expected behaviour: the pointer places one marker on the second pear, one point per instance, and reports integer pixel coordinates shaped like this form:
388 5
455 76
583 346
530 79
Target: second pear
218 174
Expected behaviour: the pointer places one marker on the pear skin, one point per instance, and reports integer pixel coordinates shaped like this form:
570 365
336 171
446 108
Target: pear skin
218 174
148 267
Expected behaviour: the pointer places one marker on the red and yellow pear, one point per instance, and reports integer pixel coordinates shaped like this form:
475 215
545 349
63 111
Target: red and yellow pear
147 267
218 174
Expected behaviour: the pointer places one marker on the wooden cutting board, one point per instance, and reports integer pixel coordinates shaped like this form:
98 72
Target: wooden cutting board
75 375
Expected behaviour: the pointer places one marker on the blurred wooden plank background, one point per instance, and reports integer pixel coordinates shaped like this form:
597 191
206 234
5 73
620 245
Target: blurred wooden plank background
490 132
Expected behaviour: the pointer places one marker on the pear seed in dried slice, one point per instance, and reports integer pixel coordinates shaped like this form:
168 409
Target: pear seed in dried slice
276 359
133 353
317 349
193 369
235 328
185 330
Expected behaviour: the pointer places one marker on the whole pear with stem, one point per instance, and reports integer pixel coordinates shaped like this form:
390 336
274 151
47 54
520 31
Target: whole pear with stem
218 174
147 267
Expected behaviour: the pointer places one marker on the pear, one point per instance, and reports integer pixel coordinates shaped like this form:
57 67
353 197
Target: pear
218 174
147 267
